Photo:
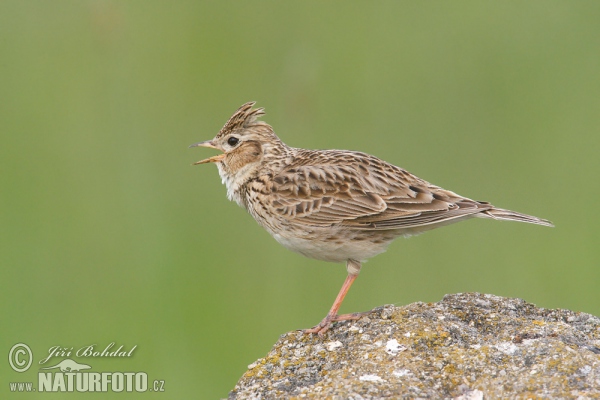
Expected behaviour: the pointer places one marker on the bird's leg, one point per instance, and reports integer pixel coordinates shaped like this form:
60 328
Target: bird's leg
353 268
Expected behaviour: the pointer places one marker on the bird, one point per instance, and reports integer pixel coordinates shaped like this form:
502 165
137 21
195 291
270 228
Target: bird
332 205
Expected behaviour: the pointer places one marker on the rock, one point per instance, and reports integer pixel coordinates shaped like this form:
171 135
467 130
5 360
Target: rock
467 346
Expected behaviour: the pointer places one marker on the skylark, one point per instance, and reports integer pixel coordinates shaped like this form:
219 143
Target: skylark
332 205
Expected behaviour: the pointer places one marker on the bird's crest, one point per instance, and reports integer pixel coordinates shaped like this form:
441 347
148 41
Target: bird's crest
244 117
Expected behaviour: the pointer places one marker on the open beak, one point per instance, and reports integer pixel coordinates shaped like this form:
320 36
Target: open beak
212 159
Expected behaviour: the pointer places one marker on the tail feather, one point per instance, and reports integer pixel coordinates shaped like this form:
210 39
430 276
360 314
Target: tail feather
507 215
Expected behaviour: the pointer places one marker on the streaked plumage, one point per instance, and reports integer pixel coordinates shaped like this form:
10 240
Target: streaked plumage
332 205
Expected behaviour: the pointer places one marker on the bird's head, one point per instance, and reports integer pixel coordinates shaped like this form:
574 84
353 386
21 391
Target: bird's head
244 142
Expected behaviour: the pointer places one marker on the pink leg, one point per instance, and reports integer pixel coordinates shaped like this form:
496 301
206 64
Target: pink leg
332 315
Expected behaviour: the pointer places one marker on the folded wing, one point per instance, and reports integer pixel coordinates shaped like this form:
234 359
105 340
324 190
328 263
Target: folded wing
359 191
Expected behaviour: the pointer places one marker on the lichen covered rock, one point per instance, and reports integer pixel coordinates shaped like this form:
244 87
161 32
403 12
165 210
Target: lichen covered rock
467 346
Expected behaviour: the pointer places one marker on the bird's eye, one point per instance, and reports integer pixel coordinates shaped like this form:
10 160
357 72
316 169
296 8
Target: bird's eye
232 141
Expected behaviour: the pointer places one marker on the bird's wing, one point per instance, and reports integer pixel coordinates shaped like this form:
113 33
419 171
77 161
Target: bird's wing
358 191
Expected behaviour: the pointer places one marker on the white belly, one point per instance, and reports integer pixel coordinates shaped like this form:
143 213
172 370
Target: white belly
333 251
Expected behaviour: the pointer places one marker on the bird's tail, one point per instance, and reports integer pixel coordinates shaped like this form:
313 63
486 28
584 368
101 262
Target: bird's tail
507 215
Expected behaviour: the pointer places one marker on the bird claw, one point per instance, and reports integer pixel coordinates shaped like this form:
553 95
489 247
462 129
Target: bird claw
325 324
322 327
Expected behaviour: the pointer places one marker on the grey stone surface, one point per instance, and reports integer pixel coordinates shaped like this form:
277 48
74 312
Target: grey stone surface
467 346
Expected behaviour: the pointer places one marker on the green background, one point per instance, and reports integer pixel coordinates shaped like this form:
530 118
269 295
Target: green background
107 233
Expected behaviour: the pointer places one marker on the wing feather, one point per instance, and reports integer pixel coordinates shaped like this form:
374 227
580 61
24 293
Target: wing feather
359 191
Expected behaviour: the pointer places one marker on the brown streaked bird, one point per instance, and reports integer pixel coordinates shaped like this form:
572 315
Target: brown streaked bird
332 205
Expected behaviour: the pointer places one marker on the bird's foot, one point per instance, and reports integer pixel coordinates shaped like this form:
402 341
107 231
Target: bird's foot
325 324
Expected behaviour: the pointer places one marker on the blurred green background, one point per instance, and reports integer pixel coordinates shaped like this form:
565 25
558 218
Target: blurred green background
107 233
